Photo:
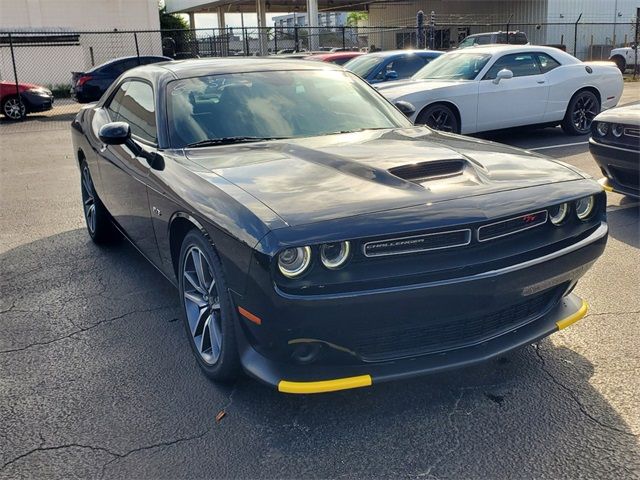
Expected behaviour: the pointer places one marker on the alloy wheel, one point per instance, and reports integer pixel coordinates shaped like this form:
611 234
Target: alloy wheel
88 200
14 108
202 305
441 119
584 112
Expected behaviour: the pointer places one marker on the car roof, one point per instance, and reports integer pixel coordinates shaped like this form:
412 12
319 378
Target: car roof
506 48
390 53
215 66
332 55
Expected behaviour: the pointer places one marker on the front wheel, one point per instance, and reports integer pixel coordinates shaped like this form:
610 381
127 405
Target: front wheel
582 109
13 108
439 117
620 63
98 220
209 318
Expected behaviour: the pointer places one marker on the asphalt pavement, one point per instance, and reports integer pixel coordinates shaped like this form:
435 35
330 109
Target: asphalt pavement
97 379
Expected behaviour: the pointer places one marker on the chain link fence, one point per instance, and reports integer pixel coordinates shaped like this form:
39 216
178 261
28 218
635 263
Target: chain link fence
51 59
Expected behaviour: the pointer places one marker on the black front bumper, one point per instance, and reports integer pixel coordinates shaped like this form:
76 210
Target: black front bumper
620 166
37 103
336 324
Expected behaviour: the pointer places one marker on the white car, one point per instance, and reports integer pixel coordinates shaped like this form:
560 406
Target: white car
624 57
501 86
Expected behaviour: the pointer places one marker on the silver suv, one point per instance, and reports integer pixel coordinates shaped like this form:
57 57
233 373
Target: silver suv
490 38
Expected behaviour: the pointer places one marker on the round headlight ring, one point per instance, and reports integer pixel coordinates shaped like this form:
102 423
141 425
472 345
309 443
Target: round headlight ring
584 207
617 130
335 255
602 128
558 214
293 262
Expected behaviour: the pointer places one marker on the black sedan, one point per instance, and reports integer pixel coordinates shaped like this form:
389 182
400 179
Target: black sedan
318 239
90 85
615 145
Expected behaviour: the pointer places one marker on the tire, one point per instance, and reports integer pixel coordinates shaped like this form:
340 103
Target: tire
439 117
97 218
582 109
620 62
208 313
13 108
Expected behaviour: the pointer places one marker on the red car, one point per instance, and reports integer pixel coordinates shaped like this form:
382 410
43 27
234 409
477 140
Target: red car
33 98
339 58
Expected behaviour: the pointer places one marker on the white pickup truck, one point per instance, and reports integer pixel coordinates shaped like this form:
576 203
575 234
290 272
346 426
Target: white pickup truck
625 57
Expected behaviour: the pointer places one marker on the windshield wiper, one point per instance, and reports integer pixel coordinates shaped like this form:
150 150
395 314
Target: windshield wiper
355 130
230 140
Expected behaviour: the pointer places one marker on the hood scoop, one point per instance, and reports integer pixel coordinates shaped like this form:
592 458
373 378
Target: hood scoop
420 172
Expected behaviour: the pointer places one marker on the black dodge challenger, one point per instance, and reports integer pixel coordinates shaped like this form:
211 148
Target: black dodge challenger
615 145
318 239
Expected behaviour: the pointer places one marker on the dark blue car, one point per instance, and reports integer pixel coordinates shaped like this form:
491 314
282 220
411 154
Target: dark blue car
90 85
390 65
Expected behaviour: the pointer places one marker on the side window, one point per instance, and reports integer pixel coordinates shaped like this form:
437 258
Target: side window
546 62
124 65
408 65
116 100
521 64
483 40
137 108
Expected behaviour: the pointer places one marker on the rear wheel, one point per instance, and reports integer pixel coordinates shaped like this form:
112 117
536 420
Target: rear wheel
620 63
13 108
582 109
98 220
209 317
439 117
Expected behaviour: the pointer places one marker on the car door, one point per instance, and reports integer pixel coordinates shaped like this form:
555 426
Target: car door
520 100
124 174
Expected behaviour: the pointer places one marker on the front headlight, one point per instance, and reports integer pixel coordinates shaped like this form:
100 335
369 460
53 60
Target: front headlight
602 128
558 213
335 255
617 130
42 92
293 262
584 207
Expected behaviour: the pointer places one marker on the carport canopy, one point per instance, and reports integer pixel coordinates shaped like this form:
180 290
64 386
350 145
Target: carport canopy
260 7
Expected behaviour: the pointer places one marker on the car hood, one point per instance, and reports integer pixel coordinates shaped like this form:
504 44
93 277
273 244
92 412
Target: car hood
335 176
402 88
629 115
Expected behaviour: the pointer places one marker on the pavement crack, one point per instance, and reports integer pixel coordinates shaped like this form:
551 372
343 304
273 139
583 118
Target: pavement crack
84 329
612 313
575 397
54 448
456 439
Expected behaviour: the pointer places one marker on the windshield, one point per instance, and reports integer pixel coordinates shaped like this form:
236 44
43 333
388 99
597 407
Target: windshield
364 65
274 104
454 66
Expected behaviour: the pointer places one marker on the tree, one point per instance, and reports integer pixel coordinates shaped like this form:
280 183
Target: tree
354 17
170 21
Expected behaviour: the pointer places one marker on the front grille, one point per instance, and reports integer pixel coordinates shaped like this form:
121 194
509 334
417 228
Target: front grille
417 243
628 178
428 170
436 335
512 225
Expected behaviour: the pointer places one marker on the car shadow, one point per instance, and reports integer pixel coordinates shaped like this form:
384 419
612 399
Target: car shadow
624 223
95 335
533 137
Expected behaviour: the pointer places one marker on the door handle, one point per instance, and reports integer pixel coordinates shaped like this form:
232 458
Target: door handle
541 81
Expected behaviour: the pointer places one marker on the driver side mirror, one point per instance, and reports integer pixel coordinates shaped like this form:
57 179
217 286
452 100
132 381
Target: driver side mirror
503 74
405 107
391 75
115 133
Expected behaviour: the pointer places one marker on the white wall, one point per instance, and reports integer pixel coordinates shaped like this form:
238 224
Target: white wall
80 14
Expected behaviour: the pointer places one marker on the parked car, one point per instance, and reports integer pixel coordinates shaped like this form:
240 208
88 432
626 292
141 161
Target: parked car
390 65
317 238
615 145
625 57
503 86
27 98
491 38
90 85
339 58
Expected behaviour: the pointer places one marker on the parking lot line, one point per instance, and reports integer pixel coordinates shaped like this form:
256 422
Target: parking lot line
557 146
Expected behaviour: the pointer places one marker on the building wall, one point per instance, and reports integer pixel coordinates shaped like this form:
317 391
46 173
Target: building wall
79 14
